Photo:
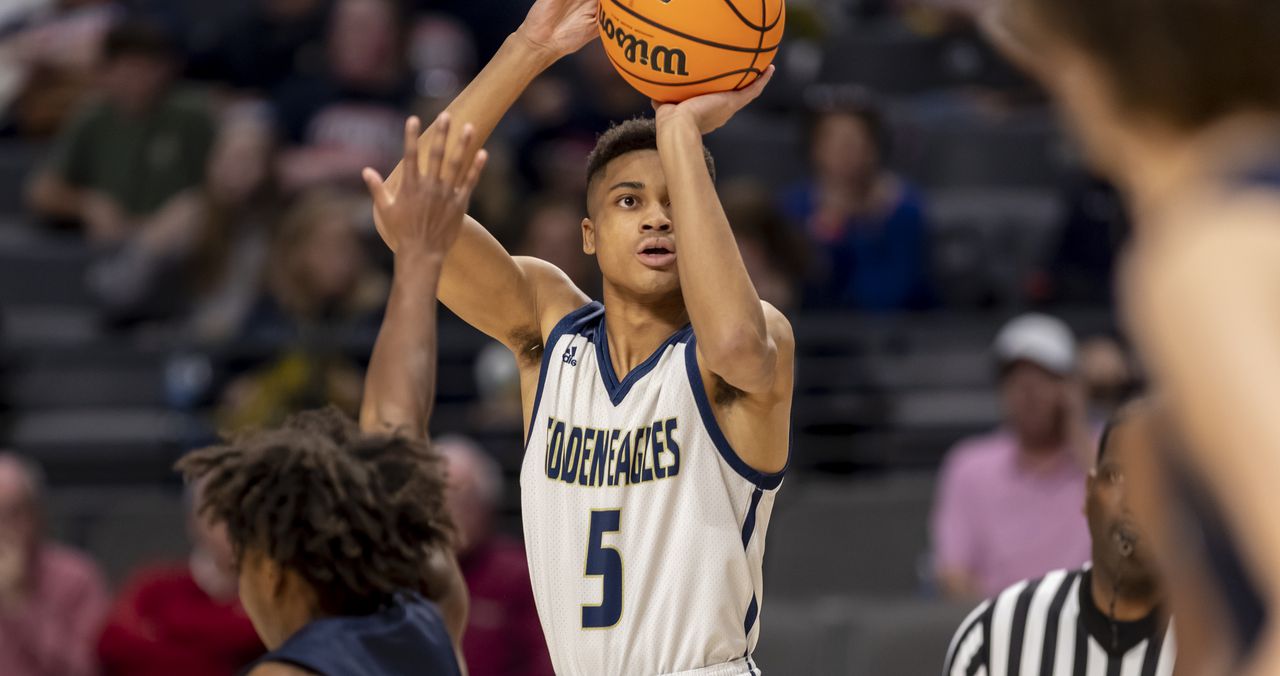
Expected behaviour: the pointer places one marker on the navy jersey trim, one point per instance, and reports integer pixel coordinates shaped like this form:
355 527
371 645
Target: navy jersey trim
618 390
566 325
762 480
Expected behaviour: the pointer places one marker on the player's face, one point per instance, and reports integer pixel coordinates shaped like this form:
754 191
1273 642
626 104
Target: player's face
1118 541
630 230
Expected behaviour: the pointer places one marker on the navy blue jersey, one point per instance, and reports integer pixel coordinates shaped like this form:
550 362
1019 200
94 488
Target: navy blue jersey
406 637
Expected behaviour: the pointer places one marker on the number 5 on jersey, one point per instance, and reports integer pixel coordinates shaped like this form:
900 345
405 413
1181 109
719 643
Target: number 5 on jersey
605 563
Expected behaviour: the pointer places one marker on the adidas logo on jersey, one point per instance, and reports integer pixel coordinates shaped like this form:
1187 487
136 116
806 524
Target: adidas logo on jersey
570 356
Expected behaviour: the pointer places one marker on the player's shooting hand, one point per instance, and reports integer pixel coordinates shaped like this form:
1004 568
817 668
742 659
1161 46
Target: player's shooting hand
711 111
561 26
424 215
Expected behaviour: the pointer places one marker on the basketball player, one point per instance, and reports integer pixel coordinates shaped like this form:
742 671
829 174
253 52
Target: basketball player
659 418
1179 102
340 532
1107 617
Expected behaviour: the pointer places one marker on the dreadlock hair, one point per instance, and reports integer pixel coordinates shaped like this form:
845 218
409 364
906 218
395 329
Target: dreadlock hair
354 515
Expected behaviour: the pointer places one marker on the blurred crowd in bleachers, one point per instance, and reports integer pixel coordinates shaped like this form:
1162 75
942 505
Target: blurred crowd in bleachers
186 249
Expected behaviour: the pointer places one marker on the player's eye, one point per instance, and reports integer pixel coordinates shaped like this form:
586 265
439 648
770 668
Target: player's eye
628 202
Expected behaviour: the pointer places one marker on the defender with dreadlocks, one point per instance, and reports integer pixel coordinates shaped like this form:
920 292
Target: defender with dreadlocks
341 532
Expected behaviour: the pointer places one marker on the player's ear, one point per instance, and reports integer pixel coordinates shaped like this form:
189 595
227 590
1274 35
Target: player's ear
588 237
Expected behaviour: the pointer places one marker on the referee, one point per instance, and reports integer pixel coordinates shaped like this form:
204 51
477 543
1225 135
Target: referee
1102 620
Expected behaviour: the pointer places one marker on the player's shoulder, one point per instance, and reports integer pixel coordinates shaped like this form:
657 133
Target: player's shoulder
555 294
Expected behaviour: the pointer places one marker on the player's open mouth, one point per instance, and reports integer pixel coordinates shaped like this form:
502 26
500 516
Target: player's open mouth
657 252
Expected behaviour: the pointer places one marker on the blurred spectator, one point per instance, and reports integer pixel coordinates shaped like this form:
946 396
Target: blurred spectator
350 116
205 251
498 384
323 300
126 156
266 44
503 635
1109 375
443 54
52 599
1095 226
1008 502
866 227
48 49
185 618
553 233
770 250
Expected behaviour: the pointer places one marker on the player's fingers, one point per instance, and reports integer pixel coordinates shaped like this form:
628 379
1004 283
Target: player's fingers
473 175
463 156
377 189
436 147
755 88
411 170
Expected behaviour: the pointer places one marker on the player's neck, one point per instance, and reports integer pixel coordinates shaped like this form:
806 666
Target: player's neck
635 328
1130 603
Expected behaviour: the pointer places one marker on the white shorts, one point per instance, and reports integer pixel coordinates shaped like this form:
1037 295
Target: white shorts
743 666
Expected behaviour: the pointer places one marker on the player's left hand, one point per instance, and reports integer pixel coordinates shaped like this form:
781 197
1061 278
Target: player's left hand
711 111
425 214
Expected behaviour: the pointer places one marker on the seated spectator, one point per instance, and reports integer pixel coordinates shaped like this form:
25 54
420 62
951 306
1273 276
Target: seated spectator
204 253
866 227
52 599
1008 502
48 49
503 635
553 233
184 618
352 115
127 155
770 250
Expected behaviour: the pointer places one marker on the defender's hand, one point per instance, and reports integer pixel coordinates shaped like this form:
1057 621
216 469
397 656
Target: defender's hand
712 111
425 214
561 27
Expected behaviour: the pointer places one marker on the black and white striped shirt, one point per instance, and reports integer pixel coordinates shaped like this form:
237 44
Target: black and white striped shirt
1051 627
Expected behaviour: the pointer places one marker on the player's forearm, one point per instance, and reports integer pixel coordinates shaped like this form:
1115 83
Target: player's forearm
722 301
401 382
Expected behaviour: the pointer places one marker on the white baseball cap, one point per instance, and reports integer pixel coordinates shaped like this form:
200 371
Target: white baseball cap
1040 339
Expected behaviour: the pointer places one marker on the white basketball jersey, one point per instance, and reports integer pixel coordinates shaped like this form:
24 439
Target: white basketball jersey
644 530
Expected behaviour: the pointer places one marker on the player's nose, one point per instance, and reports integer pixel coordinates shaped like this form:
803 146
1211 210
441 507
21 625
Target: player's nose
658 222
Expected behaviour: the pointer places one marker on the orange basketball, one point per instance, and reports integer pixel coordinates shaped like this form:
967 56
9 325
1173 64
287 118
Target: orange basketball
672 50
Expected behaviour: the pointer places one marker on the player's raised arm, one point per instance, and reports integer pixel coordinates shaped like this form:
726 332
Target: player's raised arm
481 282
424 212
739 338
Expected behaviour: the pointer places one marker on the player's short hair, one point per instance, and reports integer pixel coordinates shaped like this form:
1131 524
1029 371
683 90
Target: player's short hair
1186 62
139 37
636 134
357 516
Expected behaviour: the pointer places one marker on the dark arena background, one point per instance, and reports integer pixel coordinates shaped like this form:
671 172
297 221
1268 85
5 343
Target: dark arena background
899 190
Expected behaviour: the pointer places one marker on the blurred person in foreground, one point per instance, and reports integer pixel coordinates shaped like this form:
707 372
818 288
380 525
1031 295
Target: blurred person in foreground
131 151
1107 617
1007 506
867 227
503 635
185 618
1178 103
52 599
341 532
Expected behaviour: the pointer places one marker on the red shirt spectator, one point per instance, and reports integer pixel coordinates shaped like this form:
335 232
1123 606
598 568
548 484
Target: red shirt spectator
504 637
165 624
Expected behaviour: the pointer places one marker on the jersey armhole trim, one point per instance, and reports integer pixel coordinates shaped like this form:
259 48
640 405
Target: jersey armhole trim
561 328
762 480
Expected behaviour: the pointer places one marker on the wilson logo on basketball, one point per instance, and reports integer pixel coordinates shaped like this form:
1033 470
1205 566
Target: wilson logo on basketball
636 50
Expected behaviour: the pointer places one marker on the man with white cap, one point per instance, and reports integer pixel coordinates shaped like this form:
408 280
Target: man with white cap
1008 502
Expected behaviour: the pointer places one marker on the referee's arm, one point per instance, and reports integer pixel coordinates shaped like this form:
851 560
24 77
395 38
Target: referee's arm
969 653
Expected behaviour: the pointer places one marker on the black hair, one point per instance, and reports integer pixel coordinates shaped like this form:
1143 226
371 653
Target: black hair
139 37
852 101
640 133
356 516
